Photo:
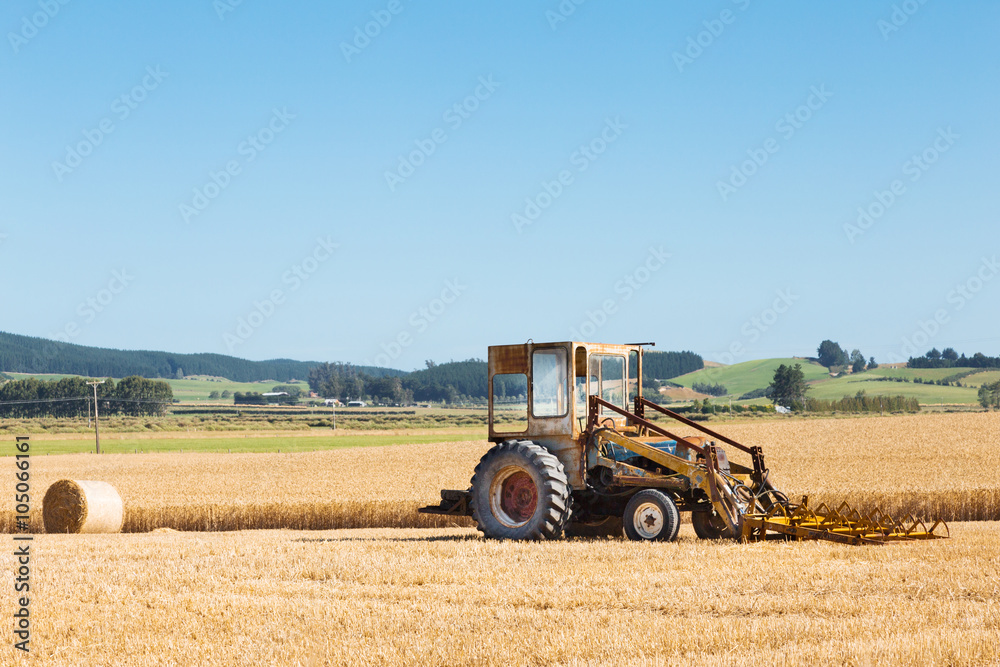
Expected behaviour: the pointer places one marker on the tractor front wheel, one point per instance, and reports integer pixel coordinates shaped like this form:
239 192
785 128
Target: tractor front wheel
709 525
651 516
520 492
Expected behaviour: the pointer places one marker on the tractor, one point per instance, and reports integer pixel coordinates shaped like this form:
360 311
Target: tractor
578 451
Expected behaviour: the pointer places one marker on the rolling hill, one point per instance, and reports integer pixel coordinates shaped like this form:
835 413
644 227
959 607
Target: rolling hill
749 375
741 378
27 354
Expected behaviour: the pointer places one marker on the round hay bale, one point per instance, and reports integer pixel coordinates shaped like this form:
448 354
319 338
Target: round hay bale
81 506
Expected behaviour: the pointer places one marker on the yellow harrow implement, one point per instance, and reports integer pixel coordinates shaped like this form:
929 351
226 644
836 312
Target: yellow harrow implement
844 524
744 503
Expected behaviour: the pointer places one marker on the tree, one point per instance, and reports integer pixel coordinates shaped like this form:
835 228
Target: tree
831 354
989 395
857 361
179 374
872 364
213 394
933 353
226 393
789 386
290 389
949 353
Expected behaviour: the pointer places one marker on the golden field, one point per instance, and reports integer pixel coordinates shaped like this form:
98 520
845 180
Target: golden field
446 597
940 465
389 588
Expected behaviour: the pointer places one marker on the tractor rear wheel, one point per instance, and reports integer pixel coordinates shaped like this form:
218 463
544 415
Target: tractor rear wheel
651 515
520 492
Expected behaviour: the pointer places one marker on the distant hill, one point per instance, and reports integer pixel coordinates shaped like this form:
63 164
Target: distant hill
749 375
27 354
922 384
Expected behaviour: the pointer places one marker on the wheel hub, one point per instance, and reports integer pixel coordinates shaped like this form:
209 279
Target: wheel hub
648 520
518 496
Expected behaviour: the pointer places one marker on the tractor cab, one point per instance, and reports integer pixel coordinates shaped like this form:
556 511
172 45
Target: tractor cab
543 388
539 392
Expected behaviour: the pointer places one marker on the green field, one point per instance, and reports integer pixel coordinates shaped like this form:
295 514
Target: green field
981 378
836 388
198 389
912 373
249 443
749 375
192 388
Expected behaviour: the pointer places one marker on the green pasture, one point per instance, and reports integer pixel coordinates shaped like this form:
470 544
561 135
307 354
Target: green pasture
749 375
836 388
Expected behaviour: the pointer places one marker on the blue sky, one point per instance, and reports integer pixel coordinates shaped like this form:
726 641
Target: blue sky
740 179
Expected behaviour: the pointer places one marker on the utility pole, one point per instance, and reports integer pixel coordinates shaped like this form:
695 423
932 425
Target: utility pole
97 430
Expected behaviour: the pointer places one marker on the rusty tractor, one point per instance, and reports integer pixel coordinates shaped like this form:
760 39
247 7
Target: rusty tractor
579 451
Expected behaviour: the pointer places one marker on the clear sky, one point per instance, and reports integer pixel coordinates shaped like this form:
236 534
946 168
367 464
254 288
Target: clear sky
741 179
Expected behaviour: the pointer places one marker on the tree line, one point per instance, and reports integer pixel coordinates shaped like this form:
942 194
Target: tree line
73 397
710 389
456 380
948 358
27 354
448 383
666 365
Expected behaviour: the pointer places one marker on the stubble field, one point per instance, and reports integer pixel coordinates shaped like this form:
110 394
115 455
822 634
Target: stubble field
395 587
446 597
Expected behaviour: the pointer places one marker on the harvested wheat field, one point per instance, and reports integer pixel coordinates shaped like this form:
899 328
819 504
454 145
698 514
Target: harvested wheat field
940 465
446 597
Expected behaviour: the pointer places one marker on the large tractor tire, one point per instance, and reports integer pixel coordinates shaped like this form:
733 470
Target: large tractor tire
651 516
710 526
520 492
